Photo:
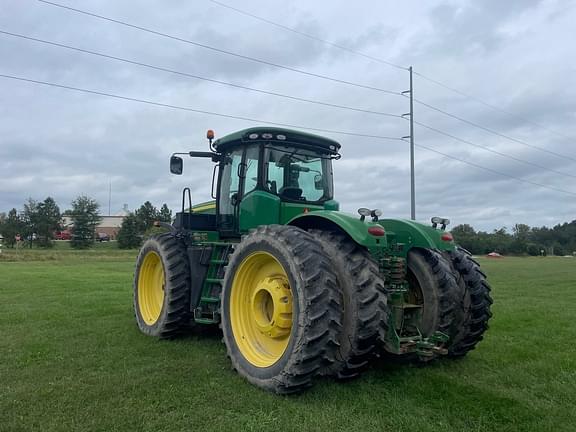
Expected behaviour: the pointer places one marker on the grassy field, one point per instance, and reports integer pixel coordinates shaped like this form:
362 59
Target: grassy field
71 358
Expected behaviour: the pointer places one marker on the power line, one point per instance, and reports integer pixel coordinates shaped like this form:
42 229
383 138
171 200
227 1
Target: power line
379 60
222 51
497 172
148 102
462 140
492 131
309 36
491 106
189 75
275 94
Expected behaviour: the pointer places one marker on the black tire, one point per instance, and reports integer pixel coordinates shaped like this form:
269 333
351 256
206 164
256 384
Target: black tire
316 314
431 284
474 306
174 316
363 299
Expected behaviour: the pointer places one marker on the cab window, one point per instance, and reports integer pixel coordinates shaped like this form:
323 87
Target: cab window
298 175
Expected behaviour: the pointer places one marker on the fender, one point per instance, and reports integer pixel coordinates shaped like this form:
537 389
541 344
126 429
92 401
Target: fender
414 234
352 226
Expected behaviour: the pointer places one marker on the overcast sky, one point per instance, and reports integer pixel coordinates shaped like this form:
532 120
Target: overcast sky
518 55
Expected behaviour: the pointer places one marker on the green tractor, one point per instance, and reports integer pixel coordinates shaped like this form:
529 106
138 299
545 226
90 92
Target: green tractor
300 289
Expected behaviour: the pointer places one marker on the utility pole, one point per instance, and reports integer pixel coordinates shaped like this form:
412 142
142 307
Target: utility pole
411 136
109 195
412 185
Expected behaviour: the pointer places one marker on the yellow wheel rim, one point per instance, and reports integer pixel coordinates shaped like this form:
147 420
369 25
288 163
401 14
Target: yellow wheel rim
151 288
261 309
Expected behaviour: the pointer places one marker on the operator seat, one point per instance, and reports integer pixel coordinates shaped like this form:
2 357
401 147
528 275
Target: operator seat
290 192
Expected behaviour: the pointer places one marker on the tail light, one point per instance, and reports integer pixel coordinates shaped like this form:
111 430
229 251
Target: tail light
447 237
376 231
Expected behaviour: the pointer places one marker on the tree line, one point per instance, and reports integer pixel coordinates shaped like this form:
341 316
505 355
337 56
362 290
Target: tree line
38 222
522 240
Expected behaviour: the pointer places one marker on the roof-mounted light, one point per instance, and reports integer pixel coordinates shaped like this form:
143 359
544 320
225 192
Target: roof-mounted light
253 136
267 136
281 137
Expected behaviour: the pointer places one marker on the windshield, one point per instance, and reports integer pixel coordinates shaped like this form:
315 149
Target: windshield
298 175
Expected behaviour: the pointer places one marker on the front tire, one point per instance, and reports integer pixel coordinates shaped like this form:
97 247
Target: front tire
162 287
280 310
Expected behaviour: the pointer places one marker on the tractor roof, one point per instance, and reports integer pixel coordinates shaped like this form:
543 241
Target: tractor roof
277 136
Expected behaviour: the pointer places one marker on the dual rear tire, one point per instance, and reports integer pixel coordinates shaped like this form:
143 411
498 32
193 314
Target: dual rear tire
455 299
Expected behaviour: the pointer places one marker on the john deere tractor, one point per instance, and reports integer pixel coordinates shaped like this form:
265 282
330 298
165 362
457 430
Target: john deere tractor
300 289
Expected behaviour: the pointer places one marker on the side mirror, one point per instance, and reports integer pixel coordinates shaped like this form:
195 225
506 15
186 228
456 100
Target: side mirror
176 165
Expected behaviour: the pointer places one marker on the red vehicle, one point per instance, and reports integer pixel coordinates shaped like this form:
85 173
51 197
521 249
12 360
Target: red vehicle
62 235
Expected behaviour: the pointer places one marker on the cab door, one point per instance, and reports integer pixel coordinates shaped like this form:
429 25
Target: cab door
229 193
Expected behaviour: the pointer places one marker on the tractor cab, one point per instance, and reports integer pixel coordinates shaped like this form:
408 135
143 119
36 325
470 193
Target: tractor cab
264 176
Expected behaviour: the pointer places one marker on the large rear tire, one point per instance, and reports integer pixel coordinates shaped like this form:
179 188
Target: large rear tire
431 285
475 304
280 309
162 287
363 300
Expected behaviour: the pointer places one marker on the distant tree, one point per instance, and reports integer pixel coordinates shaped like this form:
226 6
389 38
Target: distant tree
146 215
29 219
165 214
47 221
533 249
129 236
558 249
466 237
521 237
85 217
11 226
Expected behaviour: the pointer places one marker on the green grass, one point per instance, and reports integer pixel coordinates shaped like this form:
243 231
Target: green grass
71 358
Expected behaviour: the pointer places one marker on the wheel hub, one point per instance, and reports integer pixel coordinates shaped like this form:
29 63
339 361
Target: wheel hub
272 307
261 309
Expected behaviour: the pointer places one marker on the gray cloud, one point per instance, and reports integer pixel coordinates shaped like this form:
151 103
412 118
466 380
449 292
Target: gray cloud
515 55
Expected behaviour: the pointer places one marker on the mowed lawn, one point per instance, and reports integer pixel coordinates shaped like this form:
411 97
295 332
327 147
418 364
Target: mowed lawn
72 359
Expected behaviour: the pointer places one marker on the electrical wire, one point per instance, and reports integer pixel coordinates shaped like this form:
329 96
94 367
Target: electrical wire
222 51
497 172
249 119
309 36
165 105
492 131
489 105
107 56
488 149
379 60
198 77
